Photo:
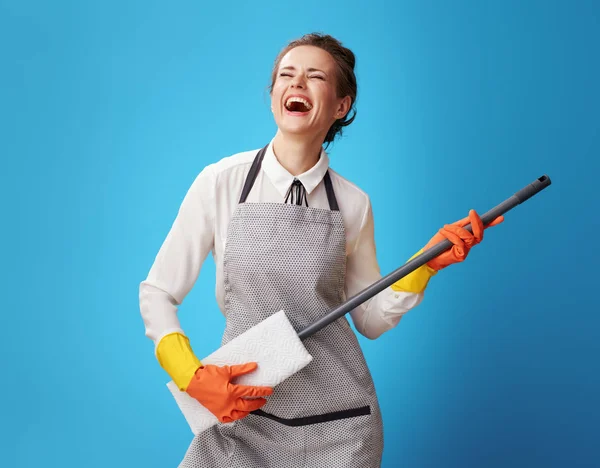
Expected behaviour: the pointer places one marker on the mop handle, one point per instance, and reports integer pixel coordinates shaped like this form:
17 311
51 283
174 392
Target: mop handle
518 198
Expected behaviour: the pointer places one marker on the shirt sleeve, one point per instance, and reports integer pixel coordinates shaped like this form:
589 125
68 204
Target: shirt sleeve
384 310
179 260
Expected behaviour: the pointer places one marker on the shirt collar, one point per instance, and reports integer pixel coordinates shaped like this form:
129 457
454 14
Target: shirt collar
282 179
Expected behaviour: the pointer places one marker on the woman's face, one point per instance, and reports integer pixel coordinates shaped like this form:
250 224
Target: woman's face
304 99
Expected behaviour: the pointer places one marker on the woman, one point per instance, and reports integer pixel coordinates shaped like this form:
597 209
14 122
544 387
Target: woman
287 232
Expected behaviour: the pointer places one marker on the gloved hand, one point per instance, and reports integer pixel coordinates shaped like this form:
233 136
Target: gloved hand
462 239
212 387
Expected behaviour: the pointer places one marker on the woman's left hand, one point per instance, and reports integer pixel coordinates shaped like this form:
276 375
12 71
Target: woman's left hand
461 239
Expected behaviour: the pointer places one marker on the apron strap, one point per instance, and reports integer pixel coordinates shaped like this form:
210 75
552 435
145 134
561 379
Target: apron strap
333 205
252 174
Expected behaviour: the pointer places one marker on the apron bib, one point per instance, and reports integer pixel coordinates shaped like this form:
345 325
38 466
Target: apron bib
281 256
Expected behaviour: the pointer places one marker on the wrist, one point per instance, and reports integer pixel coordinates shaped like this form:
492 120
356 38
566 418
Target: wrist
417 280
176 357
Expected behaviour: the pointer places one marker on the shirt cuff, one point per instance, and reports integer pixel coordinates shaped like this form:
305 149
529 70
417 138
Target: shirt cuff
385 310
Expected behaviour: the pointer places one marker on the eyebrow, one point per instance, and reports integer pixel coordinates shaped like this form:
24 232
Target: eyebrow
290 67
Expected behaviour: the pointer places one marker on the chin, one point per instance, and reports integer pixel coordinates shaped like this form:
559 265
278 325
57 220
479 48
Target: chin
298 129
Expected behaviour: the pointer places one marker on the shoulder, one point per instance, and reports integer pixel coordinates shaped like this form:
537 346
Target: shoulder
347 186
354 202
220 178
227 169
238 162
350 191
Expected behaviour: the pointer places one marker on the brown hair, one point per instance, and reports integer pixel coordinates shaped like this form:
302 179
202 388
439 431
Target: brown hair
345 77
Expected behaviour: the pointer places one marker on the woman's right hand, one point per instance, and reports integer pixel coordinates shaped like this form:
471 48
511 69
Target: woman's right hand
211 386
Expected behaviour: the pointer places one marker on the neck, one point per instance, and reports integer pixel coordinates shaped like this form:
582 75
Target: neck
296 154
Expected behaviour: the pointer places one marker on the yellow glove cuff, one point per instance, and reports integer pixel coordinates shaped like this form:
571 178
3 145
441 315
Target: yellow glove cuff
176 357
417 281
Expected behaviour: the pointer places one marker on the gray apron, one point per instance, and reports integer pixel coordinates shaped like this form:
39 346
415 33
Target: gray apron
292 257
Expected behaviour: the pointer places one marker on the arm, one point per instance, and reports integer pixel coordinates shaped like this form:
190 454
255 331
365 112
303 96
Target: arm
383 311
172 276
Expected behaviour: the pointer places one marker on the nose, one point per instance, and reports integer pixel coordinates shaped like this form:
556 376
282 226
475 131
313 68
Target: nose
298 81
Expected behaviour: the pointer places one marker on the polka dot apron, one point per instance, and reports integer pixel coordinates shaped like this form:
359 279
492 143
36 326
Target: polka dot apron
293 257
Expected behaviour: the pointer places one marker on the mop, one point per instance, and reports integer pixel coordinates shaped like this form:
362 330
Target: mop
277 348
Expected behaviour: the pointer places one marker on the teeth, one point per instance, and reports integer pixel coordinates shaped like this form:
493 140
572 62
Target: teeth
299 99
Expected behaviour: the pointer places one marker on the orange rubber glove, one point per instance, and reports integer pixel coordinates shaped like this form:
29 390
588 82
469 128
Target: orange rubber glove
212 387
462 239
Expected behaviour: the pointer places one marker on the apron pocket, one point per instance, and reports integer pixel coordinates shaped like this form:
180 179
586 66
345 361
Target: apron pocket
320 418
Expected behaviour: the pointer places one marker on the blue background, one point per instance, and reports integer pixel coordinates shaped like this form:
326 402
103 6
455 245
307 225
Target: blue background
110 109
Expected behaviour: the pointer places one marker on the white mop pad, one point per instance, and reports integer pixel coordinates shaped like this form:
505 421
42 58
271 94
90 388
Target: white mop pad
273 344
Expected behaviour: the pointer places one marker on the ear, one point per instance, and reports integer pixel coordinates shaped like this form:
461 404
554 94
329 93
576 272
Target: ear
343 107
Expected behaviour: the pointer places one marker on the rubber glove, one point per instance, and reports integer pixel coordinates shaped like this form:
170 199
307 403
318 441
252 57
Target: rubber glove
176 357
416 281
462 240
211 386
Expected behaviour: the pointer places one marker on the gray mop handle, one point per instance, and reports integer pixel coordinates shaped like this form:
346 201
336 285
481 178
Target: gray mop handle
518 198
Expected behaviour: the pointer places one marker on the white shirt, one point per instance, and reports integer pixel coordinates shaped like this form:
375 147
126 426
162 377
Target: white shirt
201 227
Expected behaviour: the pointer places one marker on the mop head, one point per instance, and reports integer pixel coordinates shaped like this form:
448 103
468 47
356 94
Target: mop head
273 344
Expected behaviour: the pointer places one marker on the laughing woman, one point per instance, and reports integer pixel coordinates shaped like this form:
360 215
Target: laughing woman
287 232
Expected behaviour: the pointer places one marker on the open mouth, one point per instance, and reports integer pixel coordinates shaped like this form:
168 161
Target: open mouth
298 104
